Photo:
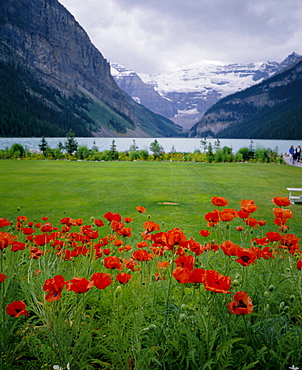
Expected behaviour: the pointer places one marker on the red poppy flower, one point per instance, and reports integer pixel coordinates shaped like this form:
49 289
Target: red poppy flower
194 246
28 230
142 245
101 280
266 253
245 257
281 201
127 220
112 217
229 248
261 222
47 227
212 217
243 214
175 237
219 201
6 239
2 277
289 239
248 205
160 238
260 241
204 233
123 277
125 232
182 275
273 236
299 264
98 222
35 253
124 248
54 287
185 262
150 226
16 309
242 304
91 234
4 222
131 265
141 255
116 225
79 285
140 209
22 218
239 228
282 213
197 276
216 282
17 246
227 215
113 262
41 239
65 220
118 242
250 221
163 264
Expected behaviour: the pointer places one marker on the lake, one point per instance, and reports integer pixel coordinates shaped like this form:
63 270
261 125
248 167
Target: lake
179 144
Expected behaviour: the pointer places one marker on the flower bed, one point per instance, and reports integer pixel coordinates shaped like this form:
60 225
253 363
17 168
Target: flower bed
120 293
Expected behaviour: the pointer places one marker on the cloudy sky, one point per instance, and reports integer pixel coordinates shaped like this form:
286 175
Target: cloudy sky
150 36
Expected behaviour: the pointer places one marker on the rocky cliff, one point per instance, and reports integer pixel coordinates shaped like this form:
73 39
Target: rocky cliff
42 36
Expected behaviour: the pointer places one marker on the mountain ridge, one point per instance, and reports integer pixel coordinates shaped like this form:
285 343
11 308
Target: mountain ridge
60 57
190 92
271 109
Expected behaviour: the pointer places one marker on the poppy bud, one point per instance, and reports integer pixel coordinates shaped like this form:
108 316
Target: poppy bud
118 291
183 307
182 317
266 294
281 306
235 283
152 327
18 209
286 309
271 288
267 307
292 298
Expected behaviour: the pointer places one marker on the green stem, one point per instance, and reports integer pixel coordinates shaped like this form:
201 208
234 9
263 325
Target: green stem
248 332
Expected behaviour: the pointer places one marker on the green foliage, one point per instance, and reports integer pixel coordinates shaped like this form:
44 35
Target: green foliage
17 150
71 144
155 148
43 145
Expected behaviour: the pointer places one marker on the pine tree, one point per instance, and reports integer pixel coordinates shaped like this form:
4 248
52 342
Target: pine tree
71 144
43 146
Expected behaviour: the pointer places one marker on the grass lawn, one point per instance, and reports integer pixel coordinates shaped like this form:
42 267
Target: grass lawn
84 189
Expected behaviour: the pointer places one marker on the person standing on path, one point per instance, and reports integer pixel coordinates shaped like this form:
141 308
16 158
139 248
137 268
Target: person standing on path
298 152
292 152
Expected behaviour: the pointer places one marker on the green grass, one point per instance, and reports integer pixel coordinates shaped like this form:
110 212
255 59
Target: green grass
85 189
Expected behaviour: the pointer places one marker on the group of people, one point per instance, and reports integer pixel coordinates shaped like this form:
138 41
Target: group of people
295 154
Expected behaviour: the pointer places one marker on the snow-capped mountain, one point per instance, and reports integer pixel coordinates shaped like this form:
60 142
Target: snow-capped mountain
189 93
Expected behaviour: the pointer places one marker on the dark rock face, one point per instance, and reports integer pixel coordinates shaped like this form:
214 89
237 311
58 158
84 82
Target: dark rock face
46 38
142 93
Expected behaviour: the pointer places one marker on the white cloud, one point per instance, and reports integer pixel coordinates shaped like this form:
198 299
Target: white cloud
155 35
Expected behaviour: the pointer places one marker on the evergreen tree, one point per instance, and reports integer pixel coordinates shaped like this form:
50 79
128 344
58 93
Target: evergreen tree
113 154
71 144
43 146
